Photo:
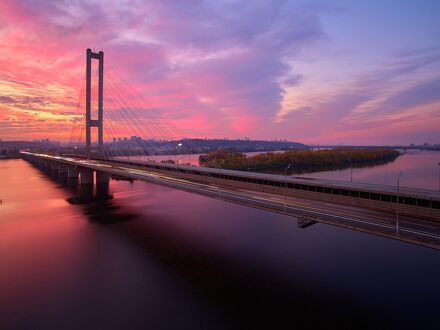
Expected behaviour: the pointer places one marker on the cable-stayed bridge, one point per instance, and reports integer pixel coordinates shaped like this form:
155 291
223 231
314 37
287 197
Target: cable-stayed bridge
406 214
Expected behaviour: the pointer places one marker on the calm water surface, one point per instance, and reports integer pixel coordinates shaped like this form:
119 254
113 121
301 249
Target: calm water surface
420 169
155 258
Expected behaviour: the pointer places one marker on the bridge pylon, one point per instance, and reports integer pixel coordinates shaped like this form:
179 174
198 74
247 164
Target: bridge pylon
89 121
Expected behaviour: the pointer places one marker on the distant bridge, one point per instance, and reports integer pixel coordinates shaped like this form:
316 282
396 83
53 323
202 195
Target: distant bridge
406 214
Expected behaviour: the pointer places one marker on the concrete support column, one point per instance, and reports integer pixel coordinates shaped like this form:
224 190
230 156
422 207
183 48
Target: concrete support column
102 177
100 103
85 176
54 169
102 185
89 121
72 173
84 193
88 102
62 171
48 166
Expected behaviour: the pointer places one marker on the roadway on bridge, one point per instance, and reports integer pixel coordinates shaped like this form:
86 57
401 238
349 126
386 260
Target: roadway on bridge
420 231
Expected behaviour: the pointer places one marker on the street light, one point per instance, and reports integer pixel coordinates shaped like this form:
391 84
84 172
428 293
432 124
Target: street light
219 183
351 170
397 200
179 153
438 176
285 184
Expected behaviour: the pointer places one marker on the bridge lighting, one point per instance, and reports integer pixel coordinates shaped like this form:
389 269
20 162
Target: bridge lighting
351 170
285 183
397 200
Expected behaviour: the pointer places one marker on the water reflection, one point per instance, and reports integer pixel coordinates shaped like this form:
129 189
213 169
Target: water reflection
161 258
245 295
420 168
326 168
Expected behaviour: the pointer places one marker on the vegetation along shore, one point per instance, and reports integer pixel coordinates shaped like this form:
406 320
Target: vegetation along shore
300 160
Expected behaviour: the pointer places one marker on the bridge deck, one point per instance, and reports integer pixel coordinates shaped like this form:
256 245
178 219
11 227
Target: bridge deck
411 229
367 187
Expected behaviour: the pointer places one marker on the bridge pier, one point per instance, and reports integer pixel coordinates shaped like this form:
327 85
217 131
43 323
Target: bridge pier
304 222
37 162
85 176
102 185
84 193
102 177
103 191
89 121
62 172
55 170
47 166
72 175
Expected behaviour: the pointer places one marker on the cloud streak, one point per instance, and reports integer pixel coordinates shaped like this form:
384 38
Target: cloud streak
228 68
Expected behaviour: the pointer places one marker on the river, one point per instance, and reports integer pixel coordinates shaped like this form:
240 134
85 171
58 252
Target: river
420 169
153 257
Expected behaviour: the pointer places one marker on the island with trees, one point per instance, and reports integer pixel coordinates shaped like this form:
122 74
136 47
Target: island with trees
300 160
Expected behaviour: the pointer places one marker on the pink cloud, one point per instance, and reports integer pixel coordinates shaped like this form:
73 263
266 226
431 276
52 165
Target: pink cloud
214 69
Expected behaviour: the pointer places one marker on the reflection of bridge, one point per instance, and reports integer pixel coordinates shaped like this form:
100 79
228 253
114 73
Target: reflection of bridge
411 215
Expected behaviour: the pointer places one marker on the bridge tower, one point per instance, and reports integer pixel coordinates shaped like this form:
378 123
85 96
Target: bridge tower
89 121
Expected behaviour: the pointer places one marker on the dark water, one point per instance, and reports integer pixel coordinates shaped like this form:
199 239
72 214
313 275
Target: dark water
158 258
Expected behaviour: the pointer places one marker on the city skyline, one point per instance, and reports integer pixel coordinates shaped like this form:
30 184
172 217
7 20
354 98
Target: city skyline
310 72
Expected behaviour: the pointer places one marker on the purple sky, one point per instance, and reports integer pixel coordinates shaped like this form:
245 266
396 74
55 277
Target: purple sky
351 72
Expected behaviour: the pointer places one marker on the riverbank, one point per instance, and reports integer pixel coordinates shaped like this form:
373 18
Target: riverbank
301 160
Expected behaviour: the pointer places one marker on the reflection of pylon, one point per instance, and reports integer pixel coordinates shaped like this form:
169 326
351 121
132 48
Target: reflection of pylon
90 122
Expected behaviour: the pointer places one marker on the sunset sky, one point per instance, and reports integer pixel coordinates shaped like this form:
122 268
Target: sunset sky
351 72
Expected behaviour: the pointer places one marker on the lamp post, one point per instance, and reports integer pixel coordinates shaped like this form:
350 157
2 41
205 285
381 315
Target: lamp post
179 151
397 200
351 170
438 176
285 184
219 178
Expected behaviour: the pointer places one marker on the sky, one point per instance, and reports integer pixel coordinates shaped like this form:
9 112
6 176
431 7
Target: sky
321 72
